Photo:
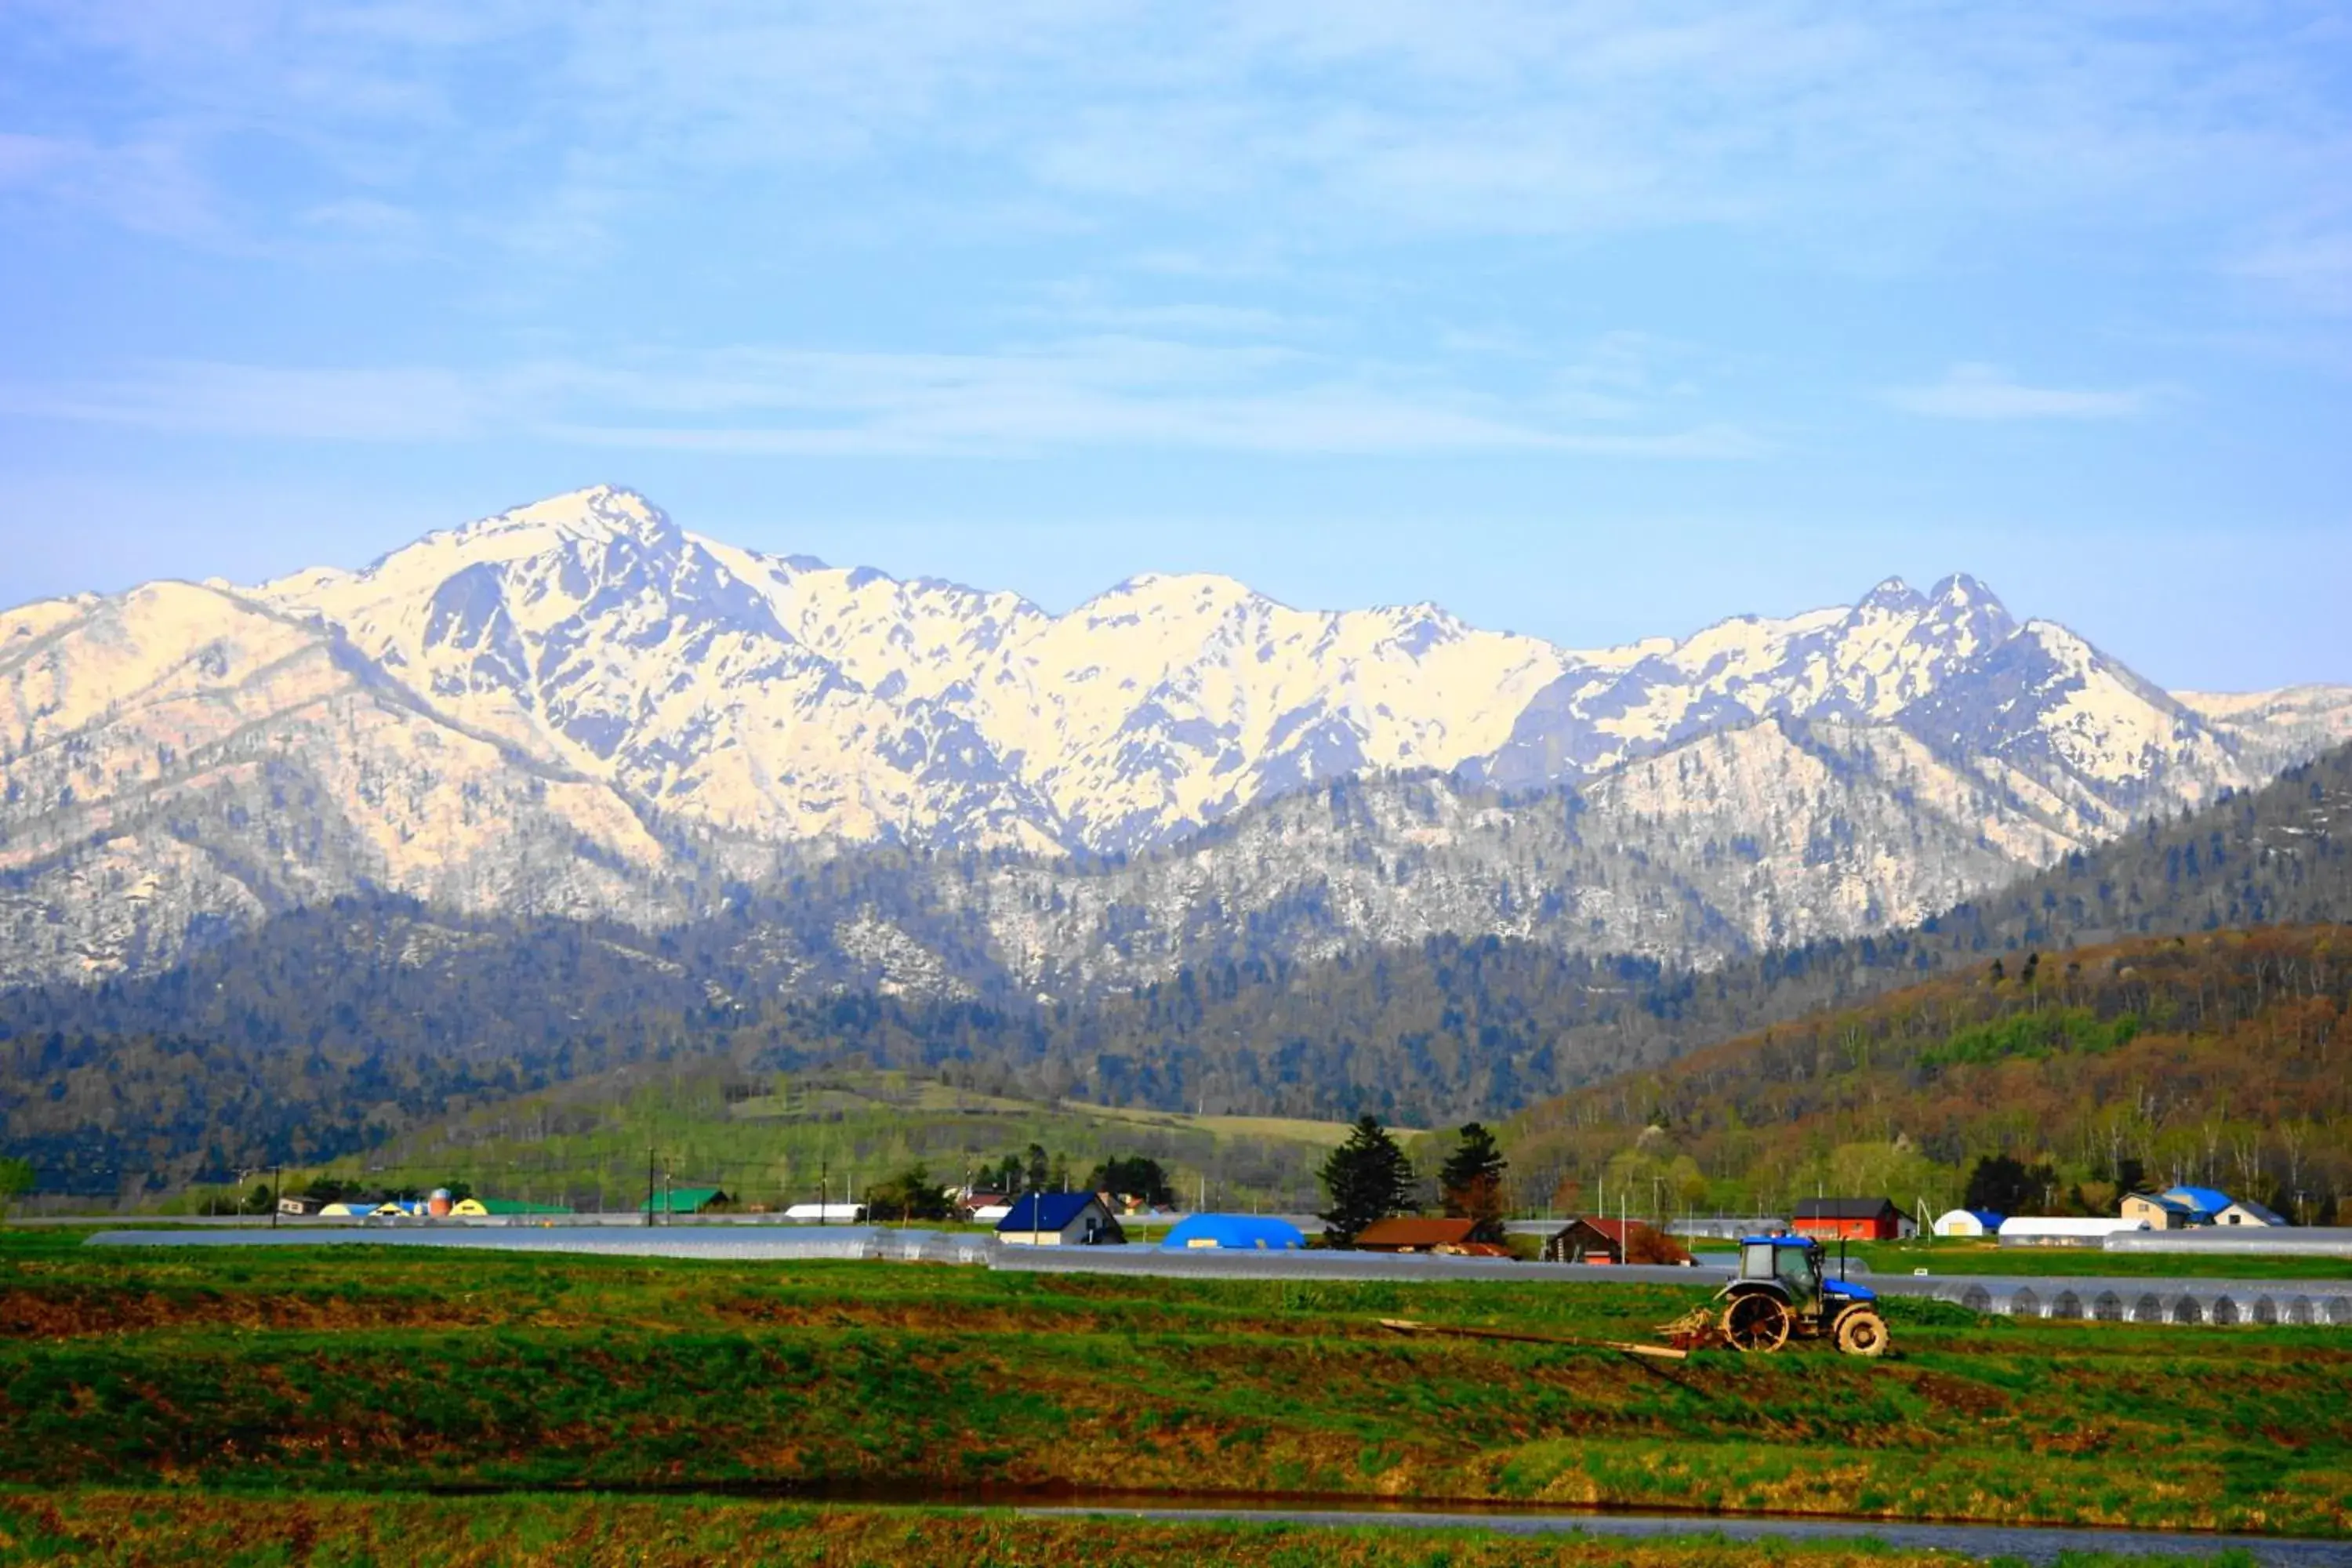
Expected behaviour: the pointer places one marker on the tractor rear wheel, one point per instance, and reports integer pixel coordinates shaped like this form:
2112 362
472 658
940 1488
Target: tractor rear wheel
1756 1322
1861 1332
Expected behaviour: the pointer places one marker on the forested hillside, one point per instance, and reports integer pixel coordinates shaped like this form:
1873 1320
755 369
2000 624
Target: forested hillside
331 1028
2223 1059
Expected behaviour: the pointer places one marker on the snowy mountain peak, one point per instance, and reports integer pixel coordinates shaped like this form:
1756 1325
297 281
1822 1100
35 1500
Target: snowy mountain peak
1959 591
1182 592
601 514
1894 596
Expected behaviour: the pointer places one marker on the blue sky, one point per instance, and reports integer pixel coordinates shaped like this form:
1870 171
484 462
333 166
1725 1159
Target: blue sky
1591 320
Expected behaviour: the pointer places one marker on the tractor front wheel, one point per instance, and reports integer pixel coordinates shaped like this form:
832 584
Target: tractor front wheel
1861 1332
1757 1322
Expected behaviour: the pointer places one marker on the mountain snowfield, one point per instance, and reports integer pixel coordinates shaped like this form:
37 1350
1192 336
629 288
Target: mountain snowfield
578 708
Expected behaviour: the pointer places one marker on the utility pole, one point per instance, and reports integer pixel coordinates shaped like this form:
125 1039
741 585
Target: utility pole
649 1183
824 1186
276 1191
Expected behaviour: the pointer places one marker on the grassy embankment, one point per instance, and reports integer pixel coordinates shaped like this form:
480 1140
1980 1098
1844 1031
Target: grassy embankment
400 1371
128 1528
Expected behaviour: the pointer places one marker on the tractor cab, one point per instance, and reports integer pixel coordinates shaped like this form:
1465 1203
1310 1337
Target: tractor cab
1788 1264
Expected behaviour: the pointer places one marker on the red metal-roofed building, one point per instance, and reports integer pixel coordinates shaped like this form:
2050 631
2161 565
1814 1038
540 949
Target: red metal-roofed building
1415 1234
1850 1219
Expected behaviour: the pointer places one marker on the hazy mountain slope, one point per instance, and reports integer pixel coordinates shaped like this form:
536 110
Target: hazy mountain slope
1766 836
1167 700
1866 663
178 757
591 633
2278 729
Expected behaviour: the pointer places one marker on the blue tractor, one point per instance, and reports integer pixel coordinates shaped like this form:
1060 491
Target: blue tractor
1783 1292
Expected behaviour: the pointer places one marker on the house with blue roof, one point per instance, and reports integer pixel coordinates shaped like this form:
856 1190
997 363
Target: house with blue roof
2204 1203
1232 1232
1059 1219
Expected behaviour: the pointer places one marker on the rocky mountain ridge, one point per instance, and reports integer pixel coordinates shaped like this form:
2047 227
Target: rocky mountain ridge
578 708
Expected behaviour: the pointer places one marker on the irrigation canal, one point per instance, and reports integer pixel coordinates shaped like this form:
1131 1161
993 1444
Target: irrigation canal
2108 1299
2030 1544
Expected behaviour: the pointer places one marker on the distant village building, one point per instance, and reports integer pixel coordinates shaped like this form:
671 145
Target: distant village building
1968 1222
1060 1219
826 1214
1852 1219
1727 1227
687 1200
300 1206
1446 1236
1232 1232
1612 1241
2157 1211
2245 1211
2204 1204
2063 1230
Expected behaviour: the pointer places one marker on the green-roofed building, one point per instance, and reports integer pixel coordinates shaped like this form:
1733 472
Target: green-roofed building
517 1207
687 1200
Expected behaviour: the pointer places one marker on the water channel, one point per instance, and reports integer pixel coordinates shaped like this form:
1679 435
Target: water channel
2028 1544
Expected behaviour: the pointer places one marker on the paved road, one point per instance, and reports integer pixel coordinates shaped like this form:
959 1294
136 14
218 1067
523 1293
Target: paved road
2313 1302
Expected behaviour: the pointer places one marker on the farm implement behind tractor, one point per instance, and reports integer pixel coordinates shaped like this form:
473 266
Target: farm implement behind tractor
1782 1293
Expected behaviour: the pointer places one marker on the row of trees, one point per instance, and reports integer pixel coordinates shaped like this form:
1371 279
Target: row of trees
914 1194
1369 1178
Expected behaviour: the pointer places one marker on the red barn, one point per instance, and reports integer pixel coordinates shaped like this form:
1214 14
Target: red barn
1850 1219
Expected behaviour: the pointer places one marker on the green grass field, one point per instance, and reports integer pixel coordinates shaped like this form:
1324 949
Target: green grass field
398 1371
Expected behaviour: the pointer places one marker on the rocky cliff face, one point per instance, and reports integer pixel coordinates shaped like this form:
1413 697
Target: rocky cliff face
579 707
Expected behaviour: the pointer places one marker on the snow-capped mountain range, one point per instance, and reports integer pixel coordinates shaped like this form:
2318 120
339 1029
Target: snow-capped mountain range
578 706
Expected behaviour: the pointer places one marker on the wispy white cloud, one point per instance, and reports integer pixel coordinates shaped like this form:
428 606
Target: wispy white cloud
1986 391
1093 392
149 185
2313 267
1323 117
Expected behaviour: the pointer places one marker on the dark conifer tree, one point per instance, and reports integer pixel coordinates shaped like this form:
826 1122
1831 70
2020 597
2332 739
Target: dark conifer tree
1366 1179
1472 1182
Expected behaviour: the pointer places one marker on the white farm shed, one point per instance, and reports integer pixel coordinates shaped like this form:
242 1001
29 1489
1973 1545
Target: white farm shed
1968 1222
